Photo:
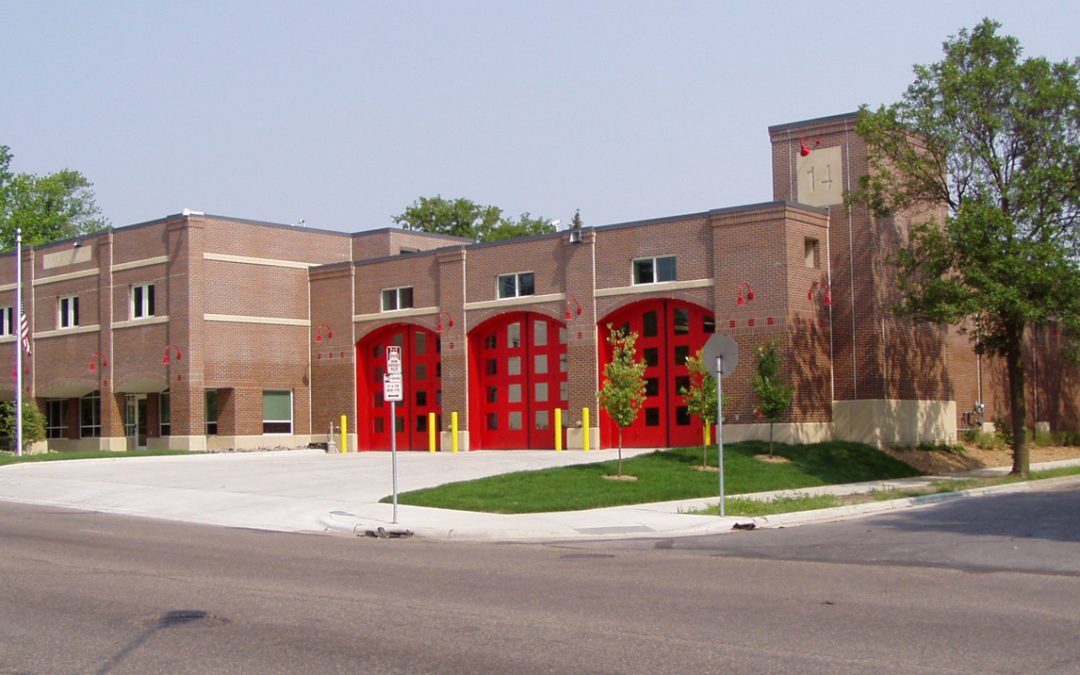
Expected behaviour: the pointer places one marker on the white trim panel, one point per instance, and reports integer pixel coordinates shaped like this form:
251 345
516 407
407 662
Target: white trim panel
145 262
653 288
249 260
268 320
41 281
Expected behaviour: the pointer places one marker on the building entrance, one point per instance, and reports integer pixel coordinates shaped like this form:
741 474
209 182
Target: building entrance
669 331
421 370
518 365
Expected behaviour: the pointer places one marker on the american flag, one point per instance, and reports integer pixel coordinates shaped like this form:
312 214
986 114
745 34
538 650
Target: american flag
24 329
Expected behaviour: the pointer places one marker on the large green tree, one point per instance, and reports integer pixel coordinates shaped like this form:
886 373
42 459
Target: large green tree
996 138
465 218
47 208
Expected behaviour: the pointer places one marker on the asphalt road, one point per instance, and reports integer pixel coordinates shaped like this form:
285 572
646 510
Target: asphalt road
92 593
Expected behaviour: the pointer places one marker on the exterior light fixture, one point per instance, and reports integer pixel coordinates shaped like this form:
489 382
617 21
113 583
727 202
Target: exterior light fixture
167 348
318 334
828 296
578 304
749 293
449 319
804 149
104 361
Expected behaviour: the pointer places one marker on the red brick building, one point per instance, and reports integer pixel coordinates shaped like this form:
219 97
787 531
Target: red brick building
198 331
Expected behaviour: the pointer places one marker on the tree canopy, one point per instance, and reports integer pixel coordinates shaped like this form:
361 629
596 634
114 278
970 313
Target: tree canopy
773 393
465 218
47 208
996 138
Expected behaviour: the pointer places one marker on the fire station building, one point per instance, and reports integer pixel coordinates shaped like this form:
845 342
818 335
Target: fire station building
204 332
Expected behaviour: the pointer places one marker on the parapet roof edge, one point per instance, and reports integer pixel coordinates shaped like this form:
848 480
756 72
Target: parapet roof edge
419 233
816 120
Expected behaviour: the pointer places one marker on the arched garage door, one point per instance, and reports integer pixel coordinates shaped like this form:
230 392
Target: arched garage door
422 383
668 332
518 366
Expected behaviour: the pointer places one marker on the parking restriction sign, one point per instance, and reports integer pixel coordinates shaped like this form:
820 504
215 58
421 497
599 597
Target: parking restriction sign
392 389
393 360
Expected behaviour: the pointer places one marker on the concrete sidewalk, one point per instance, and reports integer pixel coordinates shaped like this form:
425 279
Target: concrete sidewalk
311 491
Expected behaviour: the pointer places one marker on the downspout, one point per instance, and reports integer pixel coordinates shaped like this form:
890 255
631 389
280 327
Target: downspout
851 264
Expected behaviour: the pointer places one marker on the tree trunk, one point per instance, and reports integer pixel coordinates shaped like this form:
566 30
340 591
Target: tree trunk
620 450
1015 366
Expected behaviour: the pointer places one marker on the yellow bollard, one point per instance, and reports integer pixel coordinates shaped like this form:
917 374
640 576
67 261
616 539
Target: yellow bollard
431 431
706 433
453 431
558 430
585 427
344 433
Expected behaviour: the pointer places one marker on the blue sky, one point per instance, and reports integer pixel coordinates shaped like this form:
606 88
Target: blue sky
343 113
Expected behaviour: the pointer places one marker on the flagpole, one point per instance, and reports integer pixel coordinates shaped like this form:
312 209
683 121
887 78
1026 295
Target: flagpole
18 343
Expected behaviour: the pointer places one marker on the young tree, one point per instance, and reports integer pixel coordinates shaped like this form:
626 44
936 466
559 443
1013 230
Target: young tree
33 422
773 393
623 391
465 218
700 396
47 208
997 139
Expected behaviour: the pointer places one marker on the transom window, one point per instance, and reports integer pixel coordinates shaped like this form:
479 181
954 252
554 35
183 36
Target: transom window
142 301
654 270
516 285
67 309
7 320
397 298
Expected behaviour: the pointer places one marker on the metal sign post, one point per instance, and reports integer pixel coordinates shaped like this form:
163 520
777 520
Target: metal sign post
720 355
392 391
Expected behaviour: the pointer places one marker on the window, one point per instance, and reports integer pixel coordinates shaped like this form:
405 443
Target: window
90 415
129 415
516 285
165 413
142 301
56 418
211 412
7 321
397 298
67 311
810 251
654 270
277 412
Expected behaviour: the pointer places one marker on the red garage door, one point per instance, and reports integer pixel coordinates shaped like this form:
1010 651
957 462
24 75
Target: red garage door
422 382
518 367
668 332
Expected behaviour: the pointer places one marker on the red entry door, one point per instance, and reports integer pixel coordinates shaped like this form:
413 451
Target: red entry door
669 331
519 365
421 370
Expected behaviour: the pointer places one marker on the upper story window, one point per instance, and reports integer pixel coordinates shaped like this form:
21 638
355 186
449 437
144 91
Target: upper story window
142 301
654 270
516 285
7 321
67 311
811 253
397 298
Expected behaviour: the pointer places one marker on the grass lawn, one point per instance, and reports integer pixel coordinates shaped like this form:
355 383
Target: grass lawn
664 476
8 457
736 506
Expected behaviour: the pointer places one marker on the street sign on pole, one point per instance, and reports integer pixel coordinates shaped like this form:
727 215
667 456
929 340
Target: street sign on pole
392 387
720 356
393 360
